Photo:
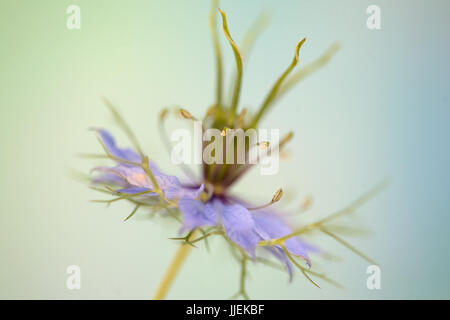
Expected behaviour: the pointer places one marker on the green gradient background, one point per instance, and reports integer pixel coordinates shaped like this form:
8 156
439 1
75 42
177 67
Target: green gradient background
379 109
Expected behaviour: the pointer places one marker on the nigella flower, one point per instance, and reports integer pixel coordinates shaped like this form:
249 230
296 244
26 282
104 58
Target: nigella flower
207 207
244 228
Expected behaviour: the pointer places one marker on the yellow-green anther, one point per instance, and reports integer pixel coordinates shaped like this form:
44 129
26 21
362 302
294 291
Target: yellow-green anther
186 114
264 145
277 196
163 114
273 92
224 131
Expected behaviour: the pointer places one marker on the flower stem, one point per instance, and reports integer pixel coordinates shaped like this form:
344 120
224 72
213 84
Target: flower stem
172 271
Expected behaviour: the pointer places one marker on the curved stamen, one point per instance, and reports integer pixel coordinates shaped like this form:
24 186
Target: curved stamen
186 114
276 197
168 144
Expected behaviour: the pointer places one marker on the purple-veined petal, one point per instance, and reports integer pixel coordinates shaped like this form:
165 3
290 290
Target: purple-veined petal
196 214
240 227
169 184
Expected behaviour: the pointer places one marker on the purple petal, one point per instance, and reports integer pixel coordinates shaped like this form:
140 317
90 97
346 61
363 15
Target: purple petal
122 153
174 190
271 226
197 214
108 178
134 190
135 176
280 255
295 247
186 193
169 184
240 227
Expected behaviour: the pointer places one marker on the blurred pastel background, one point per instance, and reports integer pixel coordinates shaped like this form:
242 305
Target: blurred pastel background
379 109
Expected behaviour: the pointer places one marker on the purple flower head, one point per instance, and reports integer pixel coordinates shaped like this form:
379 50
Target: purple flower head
205 205
244 227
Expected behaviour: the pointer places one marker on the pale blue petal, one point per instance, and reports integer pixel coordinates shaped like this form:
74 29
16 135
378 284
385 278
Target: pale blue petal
271 226
186 193
240 227
169 184
122 153
196 214
280 255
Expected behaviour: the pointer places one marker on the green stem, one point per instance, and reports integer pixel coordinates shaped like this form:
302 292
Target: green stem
172 271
